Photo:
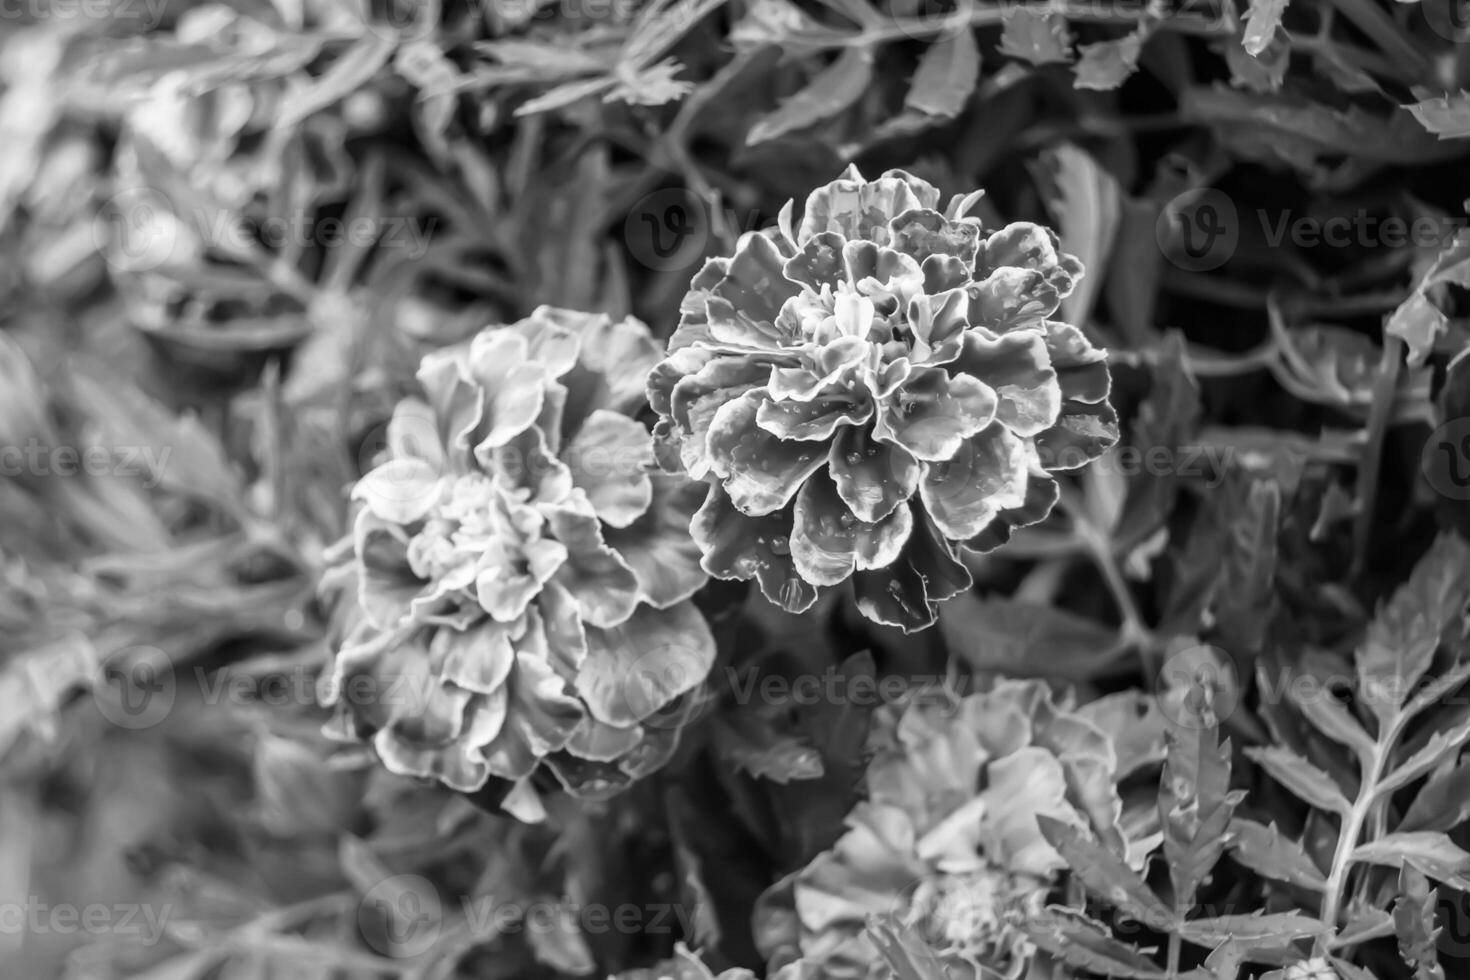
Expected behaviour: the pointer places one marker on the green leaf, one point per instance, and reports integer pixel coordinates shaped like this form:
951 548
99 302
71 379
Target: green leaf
1035 37
1261 22
1430 851
833 89
1402 638
1302 778
1106 65
1020 638
1418 320
1331 717
1266 851
907 953
946 76
1434 751
1079 941
1442 803
1195 806
1253 931
1104 873
1447 116
1413 923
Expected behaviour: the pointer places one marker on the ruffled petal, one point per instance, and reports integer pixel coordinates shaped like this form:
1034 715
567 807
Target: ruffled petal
818 419
513 387
400 490
540 719
1017 366
932 413
828 541
905 593
604 587
924 232
743 307
1083 433
658 546
477 659
819 263
872 477
761 472
986 476
634 670
610 459
739 547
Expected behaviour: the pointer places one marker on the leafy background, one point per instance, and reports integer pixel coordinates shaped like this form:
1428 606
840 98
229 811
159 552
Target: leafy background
1295 400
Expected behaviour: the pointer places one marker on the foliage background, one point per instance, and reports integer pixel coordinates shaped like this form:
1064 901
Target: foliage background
1290 375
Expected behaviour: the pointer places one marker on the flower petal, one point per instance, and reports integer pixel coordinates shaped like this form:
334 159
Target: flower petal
872 477
817 419
828 541
604 587
743 307
477 659
658 546
401 490
1082 433
512 386
905 593
739 547
923 232
634 670
932 414
610 459
986 476
761 472
819 263
1017 366
540 719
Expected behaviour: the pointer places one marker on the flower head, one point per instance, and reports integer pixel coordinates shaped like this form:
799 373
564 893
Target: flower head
869 388
516 587
947 841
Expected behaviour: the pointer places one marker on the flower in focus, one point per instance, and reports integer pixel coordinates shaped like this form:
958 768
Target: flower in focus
515 590
868 389
946 843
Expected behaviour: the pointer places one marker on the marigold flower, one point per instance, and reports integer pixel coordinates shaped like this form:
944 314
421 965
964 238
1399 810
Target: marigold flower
872 387
516 586
947 842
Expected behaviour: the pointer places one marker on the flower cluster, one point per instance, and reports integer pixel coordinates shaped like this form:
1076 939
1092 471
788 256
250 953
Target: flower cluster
870 388
516 587
947 842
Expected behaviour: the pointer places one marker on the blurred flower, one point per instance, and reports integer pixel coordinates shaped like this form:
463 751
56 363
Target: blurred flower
946 843
516 585
683 965
867 389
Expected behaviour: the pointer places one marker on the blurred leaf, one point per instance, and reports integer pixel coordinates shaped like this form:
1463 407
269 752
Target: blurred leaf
1105 65
946 76
1022 638
350 72
1103 873
829 92
1447 116
1442 803
1253 931
1430 852
1035 37
1261 23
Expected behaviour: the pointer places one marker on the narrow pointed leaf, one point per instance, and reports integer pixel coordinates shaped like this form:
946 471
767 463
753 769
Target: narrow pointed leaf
1266 851
1302 778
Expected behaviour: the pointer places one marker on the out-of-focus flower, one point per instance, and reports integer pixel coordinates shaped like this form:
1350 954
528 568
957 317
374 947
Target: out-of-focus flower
947 843
683 965
516 587
867 389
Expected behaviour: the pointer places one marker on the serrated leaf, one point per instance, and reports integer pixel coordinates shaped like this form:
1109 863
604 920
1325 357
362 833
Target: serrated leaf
1302 778
1266 851
1403 636
1105 65
1035 37
1079 941
946 76
1418 321
1104 873
1253 931
1332 718
1413 922
1261 22
1434 751
1447 116
833 89
1443 802
1430 851
1195 806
